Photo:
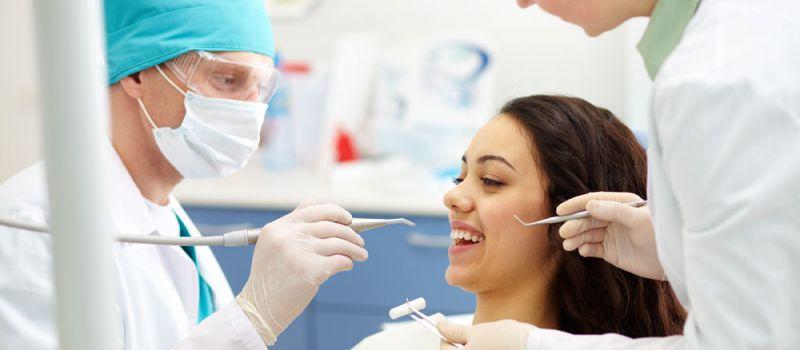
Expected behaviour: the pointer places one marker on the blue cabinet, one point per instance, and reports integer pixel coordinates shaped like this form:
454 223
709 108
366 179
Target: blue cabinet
404 262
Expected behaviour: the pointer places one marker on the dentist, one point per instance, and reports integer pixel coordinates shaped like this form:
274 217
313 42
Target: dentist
189 82
724 178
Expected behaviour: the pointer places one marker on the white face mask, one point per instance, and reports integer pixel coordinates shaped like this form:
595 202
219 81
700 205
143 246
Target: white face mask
215 139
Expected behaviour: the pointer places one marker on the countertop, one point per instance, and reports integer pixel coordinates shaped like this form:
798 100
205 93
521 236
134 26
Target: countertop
359 188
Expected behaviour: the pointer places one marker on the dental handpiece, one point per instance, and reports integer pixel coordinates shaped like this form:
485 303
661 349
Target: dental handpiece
230 239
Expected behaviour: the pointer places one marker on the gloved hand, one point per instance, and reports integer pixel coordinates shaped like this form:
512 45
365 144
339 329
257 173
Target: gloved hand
620 234
293 257
499 335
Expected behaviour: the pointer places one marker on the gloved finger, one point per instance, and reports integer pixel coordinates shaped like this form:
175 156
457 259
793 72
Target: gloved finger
575 227
322 268
443 345
576 204
613 211
338 246
324 212
592 250
591 236
327 229
337 263
454 333
305 203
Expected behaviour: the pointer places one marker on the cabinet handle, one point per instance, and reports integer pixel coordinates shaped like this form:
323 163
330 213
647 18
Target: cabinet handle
421 240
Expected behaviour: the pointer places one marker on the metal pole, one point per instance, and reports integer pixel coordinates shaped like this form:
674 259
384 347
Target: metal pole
74 105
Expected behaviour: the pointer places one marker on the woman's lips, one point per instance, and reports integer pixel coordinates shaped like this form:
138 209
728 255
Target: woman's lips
462 247
465 237
458 225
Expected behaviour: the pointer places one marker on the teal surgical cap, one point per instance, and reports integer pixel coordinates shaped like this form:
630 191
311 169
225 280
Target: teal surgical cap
144 33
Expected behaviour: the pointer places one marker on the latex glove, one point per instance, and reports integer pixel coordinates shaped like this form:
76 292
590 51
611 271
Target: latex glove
293 257
499 335
620 234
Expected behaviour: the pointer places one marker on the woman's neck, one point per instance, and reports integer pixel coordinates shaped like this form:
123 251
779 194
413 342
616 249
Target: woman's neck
529 303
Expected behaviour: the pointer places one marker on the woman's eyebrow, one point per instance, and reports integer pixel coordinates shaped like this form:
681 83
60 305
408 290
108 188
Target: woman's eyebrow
488 157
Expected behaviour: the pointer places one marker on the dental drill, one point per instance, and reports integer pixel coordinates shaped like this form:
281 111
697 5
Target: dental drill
230 239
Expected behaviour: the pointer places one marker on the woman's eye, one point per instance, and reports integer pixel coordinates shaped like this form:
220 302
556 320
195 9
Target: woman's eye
457 180
492 183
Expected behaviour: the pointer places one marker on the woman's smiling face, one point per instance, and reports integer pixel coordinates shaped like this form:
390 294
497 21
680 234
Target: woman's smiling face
499 178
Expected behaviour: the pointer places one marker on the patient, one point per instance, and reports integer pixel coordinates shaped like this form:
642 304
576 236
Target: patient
536 153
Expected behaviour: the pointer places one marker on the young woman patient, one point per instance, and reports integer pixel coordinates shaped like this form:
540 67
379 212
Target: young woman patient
536 153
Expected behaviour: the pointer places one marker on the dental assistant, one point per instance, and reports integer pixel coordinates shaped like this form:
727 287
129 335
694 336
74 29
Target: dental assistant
189 82
722 223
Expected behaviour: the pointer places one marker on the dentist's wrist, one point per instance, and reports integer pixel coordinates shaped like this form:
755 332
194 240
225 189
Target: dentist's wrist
263 328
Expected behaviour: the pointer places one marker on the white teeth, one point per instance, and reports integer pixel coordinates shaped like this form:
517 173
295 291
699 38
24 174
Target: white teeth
457 235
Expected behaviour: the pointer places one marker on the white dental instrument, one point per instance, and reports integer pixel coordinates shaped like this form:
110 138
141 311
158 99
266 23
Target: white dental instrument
405 309
230 239
578 215
412 309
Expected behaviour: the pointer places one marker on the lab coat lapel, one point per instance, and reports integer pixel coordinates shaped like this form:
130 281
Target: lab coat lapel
209 267
131 216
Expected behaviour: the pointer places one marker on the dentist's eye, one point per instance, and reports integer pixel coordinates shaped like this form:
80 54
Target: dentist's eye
457 180
491 183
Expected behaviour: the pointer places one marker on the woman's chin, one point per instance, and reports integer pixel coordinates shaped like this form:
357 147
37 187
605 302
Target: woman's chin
460 276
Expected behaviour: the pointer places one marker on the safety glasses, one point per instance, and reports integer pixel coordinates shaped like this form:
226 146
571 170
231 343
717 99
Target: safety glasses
215 76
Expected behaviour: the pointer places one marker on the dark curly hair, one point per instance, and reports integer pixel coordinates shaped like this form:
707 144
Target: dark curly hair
582 148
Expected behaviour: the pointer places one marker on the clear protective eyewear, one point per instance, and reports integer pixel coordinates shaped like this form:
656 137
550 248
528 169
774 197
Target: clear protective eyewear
215 76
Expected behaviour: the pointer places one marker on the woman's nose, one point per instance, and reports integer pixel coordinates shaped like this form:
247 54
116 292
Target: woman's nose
458 199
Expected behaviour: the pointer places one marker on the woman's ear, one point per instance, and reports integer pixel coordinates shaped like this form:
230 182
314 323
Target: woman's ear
132 85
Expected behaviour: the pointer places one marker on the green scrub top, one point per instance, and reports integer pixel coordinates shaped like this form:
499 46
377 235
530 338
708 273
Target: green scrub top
665 30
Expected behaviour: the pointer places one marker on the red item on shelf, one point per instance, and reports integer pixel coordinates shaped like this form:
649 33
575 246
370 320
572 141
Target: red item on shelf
346 149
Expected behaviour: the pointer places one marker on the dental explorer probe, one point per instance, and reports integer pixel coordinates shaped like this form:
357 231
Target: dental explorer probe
230 239
578 215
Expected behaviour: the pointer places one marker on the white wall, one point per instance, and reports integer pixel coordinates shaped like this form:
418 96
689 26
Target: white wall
536 53
19 117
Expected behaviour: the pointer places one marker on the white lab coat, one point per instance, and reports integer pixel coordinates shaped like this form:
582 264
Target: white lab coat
724 181
157 286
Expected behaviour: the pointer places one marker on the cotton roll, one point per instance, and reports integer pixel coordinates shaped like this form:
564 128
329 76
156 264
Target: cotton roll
403 310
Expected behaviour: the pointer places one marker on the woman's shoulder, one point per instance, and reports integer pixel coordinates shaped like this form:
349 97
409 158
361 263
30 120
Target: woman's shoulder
406 335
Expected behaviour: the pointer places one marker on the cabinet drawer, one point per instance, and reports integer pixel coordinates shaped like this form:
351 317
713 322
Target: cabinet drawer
339 330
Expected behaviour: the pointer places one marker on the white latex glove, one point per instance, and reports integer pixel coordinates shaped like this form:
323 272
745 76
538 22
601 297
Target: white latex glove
293 257
620 234
499 335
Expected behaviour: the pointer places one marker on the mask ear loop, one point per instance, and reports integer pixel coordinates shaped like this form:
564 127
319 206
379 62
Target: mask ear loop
169 80
146 113
141 104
